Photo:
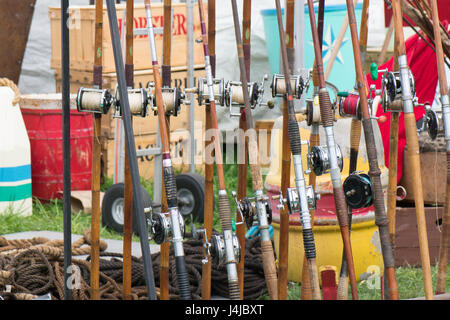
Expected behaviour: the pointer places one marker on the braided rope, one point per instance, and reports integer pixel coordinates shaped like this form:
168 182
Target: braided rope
5 82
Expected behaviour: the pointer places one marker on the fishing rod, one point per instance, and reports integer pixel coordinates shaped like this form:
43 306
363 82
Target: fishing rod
242 165
381 219
166 82
355 137
314 140
224 248
131 148
300 185
261 201
442 120
65 99
327 118
164 229
209 167
404 99
286 164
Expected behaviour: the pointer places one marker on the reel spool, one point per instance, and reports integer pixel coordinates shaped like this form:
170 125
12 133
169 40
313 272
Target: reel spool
312 110
94 100
161 227
203 94
278 86
172 100
392 94
217 249
434 122
318 159
235 97
138 102
293 202
349 105
358 190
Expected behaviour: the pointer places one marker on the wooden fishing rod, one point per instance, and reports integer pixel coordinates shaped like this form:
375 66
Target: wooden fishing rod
413 147
314 140
166 82
209 167
443 88
224 205
128 185
283 250
131 149
327 118
96 150
355 137
381 219
176 223
242 167
295 146
269 267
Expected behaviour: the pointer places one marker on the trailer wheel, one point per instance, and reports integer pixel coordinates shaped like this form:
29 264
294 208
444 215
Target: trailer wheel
113 207
191 195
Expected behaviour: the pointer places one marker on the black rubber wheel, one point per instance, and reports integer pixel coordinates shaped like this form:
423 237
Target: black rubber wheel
112 207
191 195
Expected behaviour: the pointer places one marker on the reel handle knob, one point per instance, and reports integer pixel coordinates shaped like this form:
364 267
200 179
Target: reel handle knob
373 71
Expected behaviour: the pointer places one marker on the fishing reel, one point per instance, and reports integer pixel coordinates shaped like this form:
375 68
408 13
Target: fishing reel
247 209
234 98
173 98
292 200
349 105
200 234
161 227
298 85
358 190
94 100
203 94
434 122
392 94
138 101
319 161
217 249
312 110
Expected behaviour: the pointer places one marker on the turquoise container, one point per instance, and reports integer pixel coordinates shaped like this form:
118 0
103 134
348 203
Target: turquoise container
342 74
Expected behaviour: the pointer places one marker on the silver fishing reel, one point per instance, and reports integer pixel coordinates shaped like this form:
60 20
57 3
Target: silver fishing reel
298 85
292 200
138 101
94 100
234 98
434 122
161 227
217 249
200 234
392 94
173 98
318 159
247 209
203 94
312 110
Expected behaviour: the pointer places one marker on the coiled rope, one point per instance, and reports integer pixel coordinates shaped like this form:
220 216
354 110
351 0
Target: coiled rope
5 82
33 267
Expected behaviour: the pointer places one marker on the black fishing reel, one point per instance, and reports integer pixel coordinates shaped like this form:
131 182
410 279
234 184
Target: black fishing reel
203 93
433 121
161 227
392 94
247 208
319 161
94 100
217 249
298 85
358 190
292 200
138 101
173 98
234 98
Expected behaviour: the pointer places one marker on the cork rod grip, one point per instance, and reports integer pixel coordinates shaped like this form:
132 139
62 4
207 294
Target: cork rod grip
270 271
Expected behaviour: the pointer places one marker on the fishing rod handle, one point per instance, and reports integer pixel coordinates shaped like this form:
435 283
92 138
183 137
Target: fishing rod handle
270 271
169 182
182 277
326 111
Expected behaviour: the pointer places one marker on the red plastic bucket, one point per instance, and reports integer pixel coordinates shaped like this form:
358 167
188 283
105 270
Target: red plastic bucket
42 114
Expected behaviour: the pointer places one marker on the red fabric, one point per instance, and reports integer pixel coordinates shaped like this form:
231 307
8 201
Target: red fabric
422 62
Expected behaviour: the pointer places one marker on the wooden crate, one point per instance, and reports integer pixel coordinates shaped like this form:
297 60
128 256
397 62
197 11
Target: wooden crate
82 26
406 238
